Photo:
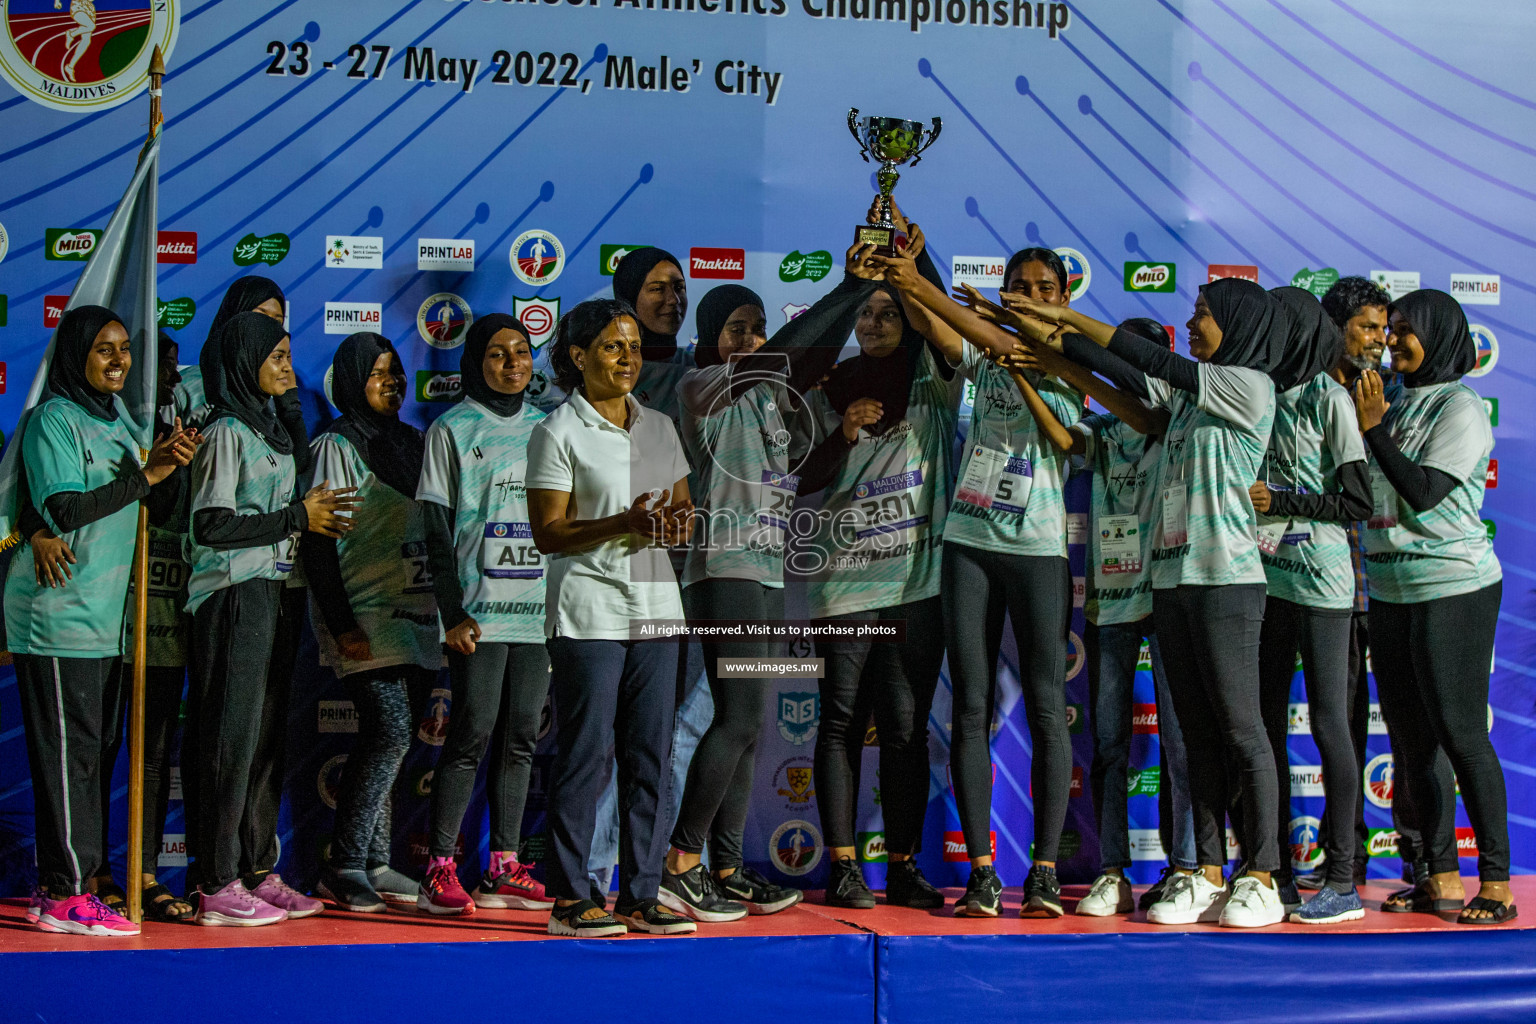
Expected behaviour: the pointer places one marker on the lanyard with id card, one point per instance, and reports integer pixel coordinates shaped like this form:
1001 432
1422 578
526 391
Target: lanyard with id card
1119 543
996 480
508 552
1383 501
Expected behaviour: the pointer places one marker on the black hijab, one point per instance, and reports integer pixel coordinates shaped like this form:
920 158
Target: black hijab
243 296
72 344
1440 324
391 449
1313 341
710 316
628 278
472 364
231 368
1253 325
888 379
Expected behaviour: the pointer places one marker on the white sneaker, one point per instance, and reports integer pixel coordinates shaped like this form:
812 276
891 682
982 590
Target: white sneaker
1190 899
1252 905
1110 895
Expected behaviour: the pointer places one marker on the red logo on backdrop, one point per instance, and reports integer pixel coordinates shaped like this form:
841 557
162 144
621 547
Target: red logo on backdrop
1077 783
725 264
176 247
1466 843
1169 329
53 309
2 378
955 849
1144 719
1492 479
1217 271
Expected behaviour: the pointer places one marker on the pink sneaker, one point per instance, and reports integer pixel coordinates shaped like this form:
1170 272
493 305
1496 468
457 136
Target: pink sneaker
441 892
35 904
283 896
513 889
235 906
84 915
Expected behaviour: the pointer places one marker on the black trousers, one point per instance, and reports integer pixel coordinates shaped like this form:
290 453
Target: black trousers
719 786
72 714
1210 646
498 696
1432 661
1322 637
260 846
162 717
896 682
233 632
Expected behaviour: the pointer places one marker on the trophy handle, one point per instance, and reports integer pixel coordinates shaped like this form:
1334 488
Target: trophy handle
933 135
853 129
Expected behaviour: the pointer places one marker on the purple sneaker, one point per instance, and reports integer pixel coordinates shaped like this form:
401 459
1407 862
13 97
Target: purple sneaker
35 904
235 906
285 897
84 915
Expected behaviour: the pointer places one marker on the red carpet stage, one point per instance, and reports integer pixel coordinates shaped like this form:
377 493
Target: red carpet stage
808 964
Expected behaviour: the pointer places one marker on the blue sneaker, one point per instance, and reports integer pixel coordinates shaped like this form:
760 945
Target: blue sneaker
1330 907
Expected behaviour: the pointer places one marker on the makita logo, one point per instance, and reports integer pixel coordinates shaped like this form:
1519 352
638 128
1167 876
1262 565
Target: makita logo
955 848
176 247
1466 842
1144 719
724 264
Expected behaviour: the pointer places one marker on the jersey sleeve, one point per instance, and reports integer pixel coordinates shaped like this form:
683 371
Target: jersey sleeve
337 461
439 481
1341 427
54 459
1235 393
1458 439
1159 393
1064 401
216 471
549 461
1092 428
971 360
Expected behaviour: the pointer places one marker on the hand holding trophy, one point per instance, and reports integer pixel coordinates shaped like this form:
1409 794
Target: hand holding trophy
893 142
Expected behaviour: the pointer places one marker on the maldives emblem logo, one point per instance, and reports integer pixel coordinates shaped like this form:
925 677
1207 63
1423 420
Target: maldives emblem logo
80 55
537 257
442 319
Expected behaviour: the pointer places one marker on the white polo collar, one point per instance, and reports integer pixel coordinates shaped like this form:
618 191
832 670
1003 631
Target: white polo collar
592 417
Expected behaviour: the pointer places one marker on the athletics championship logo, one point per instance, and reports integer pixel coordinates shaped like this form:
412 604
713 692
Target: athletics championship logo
442 320
79 55
537 257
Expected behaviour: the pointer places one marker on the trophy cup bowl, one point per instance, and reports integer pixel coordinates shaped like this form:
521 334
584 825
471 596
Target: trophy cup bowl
893 141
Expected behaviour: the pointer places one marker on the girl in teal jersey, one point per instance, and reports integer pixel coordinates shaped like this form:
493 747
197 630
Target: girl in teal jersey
375 619
83 476
242 544
490 582
1435 590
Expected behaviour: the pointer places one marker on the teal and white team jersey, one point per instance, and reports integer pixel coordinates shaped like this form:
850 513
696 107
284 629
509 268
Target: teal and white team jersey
1126 469
1420 556
383 566
1009 495
476 463
66 449
878 533
190 401
1316 432
236 469
1207 530
745 491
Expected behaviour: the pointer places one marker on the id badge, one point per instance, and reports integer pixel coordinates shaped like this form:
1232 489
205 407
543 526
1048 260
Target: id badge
982 474
1384 502
1270 535
1175 514
508 553
1119 544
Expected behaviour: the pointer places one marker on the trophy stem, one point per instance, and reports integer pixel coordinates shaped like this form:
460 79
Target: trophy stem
887 178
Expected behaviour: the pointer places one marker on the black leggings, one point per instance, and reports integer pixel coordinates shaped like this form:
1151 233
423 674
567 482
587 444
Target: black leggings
1322 637
265 795
719 786
896 681
1035 592
498 696
1210 645
1431 661
384 726
162 716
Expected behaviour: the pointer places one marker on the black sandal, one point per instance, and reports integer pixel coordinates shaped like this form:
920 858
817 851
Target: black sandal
113 896
157 901
1416 900
1498 912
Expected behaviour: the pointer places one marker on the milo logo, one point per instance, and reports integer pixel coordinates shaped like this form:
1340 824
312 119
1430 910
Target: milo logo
872 847
437 386
268 249
71 244
1150 277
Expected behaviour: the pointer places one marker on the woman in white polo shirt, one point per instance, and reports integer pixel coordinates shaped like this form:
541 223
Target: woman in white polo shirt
607 493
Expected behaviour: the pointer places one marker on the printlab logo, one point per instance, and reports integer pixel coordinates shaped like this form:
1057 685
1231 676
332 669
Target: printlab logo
609 256
351 317
1378 780
71 243
1487 351
442 319
976 271
537 257
1475 289
799 715
717 264
80 58
354 252
1315 281
1079 273
336 716
1150 277
268 249
445 254
176 247
795 847
539 316
805 266
437 386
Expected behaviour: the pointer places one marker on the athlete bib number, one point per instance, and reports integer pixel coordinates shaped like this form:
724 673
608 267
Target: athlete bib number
418 576
1119 544
287 552
508 552
1175 514
167 572
996 480
888 504
778 498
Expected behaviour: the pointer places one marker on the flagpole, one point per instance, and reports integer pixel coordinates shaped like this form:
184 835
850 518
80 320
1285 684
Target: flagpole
134 868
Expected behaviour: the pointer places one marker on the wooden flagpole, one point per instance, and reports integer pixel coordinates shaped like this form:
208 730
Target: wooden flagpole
134 868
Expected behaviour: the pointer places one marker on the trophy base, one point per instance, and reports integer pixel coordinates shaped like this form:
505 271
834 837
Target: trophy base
882 238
